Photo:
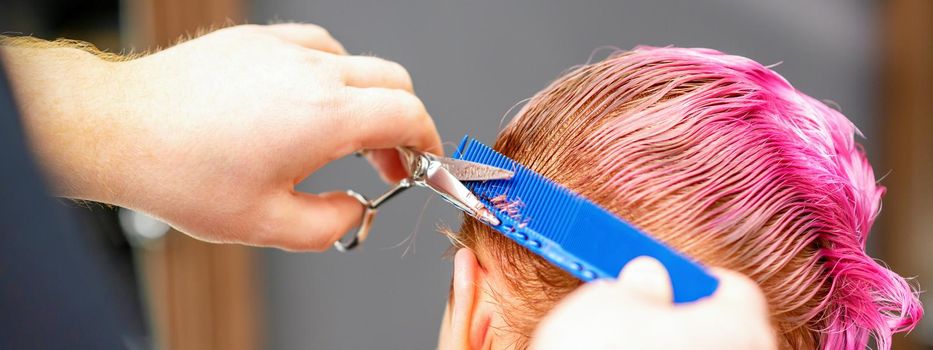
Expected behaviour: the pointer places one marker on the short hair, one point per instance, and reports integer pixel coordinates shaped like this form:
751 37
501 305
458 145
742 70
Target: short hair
721 158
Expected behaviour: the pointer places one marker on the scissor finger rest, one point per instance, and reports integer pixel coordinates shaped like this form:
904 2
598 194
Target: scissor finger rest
369 213
370 207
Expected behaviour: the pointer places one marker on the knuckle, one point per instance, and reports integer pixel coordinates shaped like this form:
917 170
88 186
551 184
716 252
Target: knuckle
413 106
307 27
340 111
393 74
315 58
411 109
242 29
402 75
324 61
325 66
324 36
397 72
335 101
393 67
311 27
315 31
243 33
322 32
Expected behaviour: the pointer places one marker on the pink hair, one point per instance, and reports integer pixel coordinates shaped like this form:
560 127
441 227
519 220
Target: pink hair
790 147
723 159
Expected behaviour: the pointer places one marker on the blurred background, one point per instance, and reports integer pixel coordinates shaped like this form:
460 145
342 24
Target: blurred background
471 62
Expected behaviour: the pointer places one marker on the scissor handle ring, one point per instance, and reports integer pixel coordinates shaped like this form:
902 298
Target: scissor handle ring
366 223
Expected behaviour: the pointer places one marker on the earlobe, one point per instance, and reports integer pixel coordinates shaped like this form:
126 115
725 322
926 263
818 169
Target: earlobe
468 322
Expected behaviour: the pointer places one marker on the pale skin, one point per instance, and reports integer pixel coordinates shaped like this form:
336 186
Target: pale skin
633 312
213 134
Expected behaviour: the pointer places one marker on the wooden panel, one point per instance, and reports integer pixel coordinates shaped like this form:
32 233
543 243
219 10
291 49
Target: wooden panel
201 296
906 223
160 23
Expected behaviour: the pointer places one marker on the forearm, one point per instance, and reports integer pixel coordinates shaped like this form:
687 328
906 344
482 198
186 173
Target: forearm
71 115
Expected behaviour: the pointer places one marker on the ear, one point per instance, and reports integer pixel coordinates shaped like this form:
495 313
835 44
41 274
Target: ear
469 320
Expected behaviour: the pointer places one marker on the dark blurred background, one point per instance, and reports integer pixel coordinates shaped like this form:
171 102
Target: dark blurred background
472 61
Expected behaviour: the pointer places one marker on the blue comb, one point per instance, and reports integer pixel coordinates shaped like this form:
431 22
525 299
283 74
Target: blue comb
574 233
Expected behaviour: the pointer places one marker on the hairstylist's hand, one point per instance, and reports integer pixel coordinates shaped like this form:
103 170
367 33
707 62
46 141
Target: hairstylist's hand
212 135
636 312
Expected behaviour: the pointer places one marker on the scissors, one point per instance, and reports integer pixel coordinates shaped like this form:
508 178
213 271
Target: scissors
442 175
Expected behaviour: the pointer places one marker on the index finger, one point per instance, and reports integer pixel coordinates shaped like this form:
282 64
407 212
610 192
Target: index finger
383 118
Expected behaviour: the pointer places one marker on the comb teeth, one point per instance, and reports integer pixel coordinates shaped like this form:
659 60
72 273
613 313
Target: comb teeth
572 232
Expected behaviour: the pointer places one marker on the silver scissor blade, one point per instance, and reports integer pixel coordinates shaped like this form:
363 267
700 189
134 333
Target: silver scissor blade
465 170
442 182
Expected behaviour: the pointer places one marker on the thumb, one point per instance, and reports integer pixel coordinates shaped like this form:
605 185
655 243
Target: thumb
646 277
737 289
311 222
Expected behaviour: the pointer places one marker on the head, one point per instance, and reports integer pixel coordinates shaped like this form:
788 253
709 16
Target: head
718 157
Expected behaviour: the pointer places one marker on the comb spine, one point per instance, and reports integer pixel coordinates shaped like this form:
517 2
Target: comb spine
577 235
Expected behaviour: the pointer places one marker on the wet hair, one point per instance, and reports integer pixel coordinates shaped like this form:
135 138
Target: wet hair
721 158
